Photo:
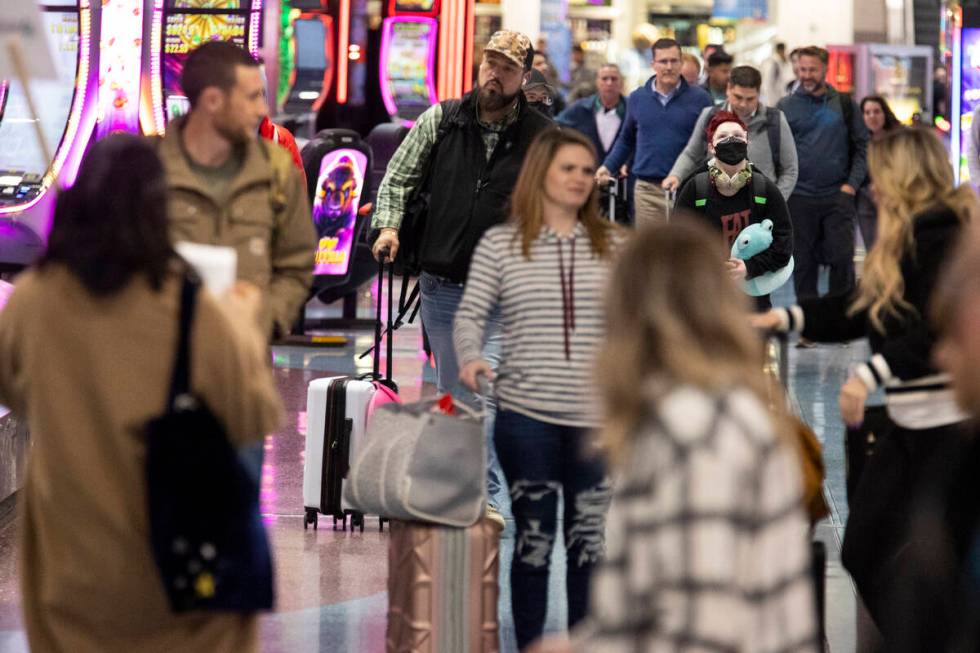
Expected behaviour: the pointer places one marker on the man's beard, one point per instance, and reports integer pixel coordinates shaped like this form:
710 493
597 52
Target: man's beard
494 101
233 136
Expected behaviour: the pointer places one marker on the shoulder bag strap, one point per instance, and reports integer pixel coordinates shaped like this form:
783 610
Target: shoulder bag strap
180 381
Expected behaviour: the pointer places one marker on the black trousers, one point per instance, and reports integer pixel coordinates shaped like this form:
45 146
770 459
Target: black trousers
823 232
882 550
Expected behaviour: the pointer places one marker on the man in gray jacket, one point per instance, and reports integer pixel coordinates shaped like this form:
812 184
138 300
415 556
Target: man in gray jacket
771 147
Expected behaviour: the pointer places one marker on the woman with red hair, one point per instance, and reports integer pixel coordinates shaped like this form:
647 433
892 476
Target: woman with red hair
730 195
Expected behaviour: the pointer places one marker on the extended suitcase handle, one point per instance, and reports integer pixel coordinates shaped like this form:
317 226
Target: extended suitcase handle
384 256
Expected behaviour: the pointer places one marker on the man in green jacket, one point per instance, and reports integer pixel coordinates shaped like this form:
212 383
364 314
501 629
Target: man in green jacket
230 188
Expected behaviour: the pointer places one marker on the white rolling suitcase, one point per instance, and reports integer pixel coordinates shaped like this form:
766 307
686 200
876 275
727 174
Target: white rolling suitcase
336 419
337 411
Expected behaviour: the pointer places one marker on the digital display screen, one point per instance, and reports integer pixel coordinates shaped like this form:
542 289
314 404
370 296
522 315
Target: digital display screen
52 99
902 81
414 6
969 91
407 65
840 70
183 32
221 5
335 204
311 38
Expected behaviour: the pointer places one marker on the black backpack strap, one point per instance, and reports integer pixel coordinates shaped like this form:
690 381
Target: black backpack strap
701 186
450 111
847 113
180 382
775 132
759 197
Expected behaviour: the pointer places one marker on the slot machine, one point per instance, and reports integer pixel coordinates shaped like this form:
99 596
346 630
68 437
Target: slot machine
67 111
176 28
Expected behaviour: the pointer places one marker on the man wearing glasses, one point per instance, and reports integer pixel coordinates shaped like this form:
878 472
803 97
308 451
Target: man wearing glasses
660 116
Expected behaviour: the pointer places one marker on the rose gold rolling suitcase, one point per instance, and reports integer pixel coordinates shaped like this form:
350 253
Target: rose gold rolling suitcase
443 588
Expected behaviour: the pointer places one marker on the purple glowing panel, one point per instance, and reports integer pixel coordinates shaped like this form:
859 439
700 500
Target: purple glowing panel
969 91
338 196
408 51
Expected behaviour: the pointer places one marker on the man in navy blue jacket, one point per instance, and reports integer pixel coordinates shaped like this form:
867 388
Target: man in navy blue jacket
600 116
831 141
660 116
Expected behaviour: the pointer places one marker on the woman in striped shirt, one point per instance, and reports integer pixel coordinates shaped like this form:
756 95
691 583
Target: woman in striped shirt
545 271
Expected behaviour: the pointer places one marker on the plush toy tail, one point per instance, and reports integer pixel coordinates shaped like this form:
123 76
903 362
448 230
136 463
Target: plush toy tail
769 282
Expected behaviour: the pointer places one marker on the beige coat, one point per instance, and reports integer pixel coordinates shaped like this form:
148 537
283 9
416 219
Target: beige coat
88 373
274 236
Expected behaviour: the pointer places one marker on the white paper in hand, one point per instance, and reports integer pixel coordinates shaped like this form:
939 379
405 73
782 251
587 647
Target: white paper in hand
217 266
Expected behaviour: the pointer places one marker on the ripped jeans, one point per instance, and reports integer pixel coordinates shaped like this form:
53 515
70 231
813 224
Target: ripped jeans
540 460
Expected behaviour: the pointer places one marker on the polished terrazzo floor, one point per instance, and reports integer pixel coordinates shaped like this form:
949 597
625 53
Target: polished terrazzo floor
331 583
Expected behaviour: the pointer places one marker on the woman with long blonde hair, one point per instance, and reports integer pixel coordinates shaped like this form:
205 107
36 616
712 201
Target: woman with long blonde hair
920 217
545 271
707 542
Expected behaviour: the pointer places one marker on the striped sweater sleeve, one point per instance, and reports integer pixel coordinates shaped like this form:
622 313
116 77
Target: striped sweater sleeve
480 297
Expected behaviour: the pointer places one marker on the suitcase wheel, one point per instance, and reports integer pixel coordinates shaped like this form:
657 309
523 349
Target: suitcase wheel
381 524
356 520
343 522
310 517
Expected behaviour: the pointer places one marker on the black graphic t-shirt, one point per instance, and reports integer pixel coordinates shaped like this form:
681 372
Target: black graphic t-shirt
730 215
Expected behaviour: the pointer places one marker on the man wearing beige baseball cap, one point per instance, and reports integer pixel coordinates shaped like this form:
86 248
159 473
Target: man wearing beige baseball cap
449 181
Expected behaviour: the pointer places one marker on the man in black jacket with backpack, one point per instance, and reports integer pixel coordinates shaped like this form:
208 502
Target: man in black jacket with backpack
464 156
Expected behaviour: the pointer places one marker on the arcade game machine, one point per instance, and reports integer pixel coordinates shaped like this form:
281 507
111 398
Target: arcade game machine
178 26
965 84
409 38
322 67
426 54
67 113
900 74
314 56
338 167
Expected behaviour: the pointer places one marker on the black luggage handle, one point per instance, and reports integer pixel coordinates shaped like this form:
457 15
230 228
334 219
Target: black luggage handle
383 257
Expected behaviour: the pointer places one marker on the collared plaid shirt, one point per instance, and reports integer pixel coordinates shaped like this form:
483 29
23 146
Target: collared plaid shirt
707 546
407 166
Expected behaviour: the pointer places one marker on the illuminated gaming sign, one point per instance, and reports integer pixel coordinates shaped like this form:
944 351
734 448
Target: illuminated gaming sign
335 205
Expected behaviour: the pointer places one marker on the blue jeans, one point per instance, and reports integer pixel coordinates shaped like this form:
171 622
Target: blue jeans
440 299
540 460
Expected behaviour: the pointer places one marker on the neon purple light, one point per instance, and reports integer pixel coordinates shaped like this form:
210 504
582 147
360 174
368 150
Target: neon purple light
156 73
387 36
120 66
253 30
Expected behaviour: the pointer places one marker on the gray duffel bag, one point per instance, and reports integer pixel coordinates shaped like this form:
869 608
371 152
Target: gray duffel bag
420 465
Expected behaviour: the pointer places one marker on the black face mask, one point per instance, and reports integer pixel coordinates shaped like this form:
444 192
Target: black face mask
732 151
543 107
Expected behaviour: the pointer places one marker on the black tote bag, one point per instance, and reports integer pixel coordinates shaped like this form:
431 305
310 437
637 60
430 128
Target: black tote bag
206 531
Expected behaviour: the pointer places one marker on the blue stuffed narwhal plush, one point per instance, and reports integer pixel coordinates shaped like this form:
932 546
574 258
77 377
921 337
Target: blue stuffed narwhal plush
753 239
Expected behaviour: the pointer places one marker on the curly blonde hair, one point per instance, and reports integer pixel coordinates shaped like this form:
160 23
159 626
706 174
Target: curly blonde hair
911 175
